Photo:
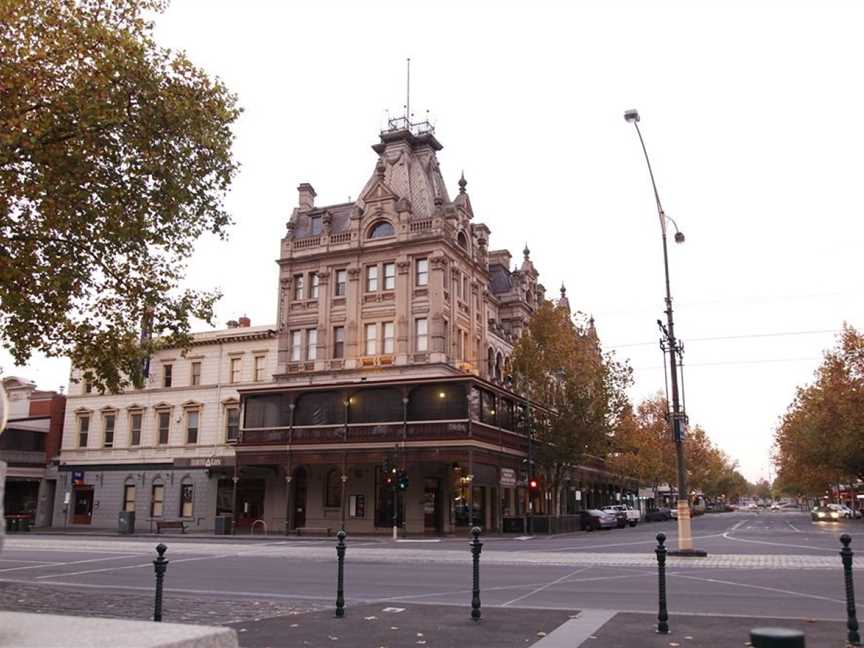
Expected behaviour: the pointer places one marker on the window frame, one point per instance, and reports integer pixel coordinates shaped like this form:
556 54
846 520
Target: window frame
159 414
314 285
338 342
259 367
421 276
196 412
195 373
295 348
126 501
133 429
235 369
372 278
167 375
161 501
389 272
85 420
388 342
299 287
373 327
311 344
106 417
418 336
184 488
228 412
340 288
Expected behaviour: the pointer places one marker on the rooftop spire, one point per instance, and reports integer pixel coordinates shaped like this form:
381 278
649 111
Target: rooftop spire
462 183
526 252
564 303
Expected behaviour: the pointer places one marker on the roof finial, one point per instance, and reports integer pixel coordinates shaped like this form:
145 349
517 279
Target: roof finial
563 289
526 251
462 183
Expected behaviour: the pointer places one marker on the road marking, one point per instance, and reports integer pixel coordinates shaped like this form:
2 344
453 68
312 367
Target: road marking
148 564
793 527
775 544
550 584
649 541
762 588
419 540
38 562
72 562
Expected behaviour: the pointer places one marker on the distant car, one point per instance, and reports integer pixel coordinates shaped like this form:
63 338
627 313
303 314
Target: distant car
825 514
658 515
593 519
624 514
845 511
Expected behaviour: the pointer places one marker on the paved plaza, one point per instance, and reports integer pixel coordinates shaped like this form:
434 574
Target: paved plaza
768 566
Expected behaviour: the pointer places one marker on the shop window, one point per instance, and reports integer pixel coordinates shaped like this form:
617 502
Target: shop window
157 500
333 489
129 498
186 491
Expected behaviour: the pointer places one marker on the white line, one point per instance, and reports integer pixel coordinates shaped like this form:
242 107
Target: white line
547 585
762 588
148 564
649 541
37 562
775 544
72 562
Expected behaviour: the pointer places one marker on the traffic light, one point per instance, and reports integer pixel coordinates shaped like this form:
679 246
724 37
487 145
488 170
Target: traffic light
533 484
403 480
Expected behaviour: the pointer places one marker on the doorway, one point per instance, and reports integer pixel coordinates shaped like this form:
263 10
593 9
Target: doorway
250 500
298 485
82 505
431 506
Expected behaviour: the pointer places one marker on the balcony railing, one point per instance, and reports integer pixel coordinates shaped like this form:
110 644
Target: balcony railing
357 433
309 242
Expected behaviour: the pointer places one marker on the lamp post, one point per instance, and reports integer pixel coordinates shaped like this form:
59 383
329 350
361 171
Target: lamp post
670 344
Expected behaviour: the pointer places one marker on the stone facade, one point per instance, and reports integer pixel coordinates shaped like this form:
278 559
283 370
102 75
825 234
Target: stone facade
146 450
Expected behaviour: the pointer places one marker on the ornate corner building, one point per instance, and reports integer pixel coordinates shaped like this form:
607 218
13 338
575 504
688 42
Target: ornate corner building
396 325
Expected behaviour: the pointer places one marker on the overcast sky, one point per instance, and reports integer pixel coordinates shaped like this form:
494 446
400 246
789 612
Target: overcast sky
750 115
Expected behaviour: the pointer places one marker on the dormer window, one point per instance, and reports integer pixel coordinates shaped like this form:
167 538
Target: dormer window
462 240
315 225
381 229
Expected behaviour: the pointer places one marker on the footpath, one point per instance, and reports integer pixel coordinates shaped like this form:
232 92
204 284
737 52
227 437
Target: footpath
435 626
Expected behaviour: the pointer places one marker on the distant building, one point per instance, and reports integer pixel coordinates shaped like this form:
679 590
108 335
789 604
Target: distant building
29 446
165 451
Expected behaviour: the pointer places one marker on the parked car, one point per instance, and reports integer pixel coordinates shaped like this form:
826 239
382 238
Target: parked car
658 515
594 519
845 511
625 514
825 514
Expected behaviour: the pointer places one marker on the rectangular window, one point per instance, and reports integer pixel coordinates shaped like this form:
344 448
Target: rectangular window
313 285
460 341
457 281
129 498
341 283
164 427
371 278
108 440
186 500
298 287
311 344
421 334
371 338
83 431
389 337
157 500
339 342
259 368
296 345
315 223
465 288
235 369
196 373
167 371
135 429
191 427
421 274
389 276
232 425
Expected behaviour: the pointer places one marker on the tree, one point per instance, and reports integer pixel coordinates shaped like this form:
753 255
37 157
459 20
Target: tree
559 363
819 443
115 155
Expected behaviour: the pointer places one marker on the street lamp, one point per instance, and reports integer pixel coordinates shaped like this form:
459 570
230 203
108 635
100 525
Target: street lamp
679 418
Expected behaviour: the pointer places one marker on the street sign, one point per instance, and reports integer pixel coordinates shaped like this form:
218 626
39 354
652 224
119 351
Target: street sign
508 477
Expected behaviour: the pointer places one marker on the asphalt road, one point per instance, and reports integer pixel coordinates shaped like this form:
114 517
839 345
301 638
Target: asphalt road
276 569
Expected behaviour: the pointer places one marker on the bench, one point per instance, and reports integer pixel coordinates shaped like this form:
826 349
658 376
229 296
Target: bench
314 531
170 524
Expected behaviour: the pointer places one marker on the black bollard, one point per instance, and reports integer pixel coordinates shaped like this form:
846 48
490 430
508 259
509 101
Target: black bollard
776 638
160 565
852 636
476 548
340 574
662 615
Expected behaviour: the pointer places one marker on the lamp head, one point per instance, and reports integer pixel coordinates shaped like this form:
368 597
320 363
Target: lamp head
679 237
631 116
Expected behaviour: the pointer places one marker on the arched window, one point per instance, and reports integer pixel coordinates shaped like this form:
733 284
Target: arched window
381 229
333 489
498 362
490 361
462 240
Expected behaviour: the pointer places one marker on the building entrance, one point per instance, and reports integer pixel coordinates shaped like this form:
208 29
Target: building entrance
82 505
298 485
250 499
431 506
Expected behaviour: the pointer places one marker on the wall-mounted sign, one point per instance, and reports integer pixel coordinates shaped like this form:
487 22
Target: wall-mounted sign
203 462
77 477
508 477
578 495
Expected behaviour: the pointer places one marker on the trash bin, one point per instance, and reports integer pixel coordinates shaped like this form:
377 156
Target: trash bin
223 525
126 522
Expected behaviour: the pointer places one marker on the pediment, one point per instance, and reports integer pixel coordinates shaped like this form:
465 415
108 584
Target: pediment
379 192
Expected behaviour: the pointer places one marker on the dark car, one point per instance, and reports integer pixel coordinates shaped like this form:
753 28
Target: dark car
658 515
825 514
594 519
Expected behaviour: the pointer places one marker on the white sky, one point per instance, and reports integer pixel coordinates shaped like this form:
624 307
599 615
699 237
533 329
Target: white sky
749 111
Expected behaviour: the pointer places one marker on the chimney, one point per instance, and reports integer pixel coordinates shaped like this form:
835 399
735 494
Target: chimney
306 196
232 324
244 322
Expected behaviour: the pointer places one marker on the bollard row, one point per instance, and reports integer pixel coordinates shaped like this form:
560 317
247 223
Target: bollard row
476 548
662 614
340 574
160 565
